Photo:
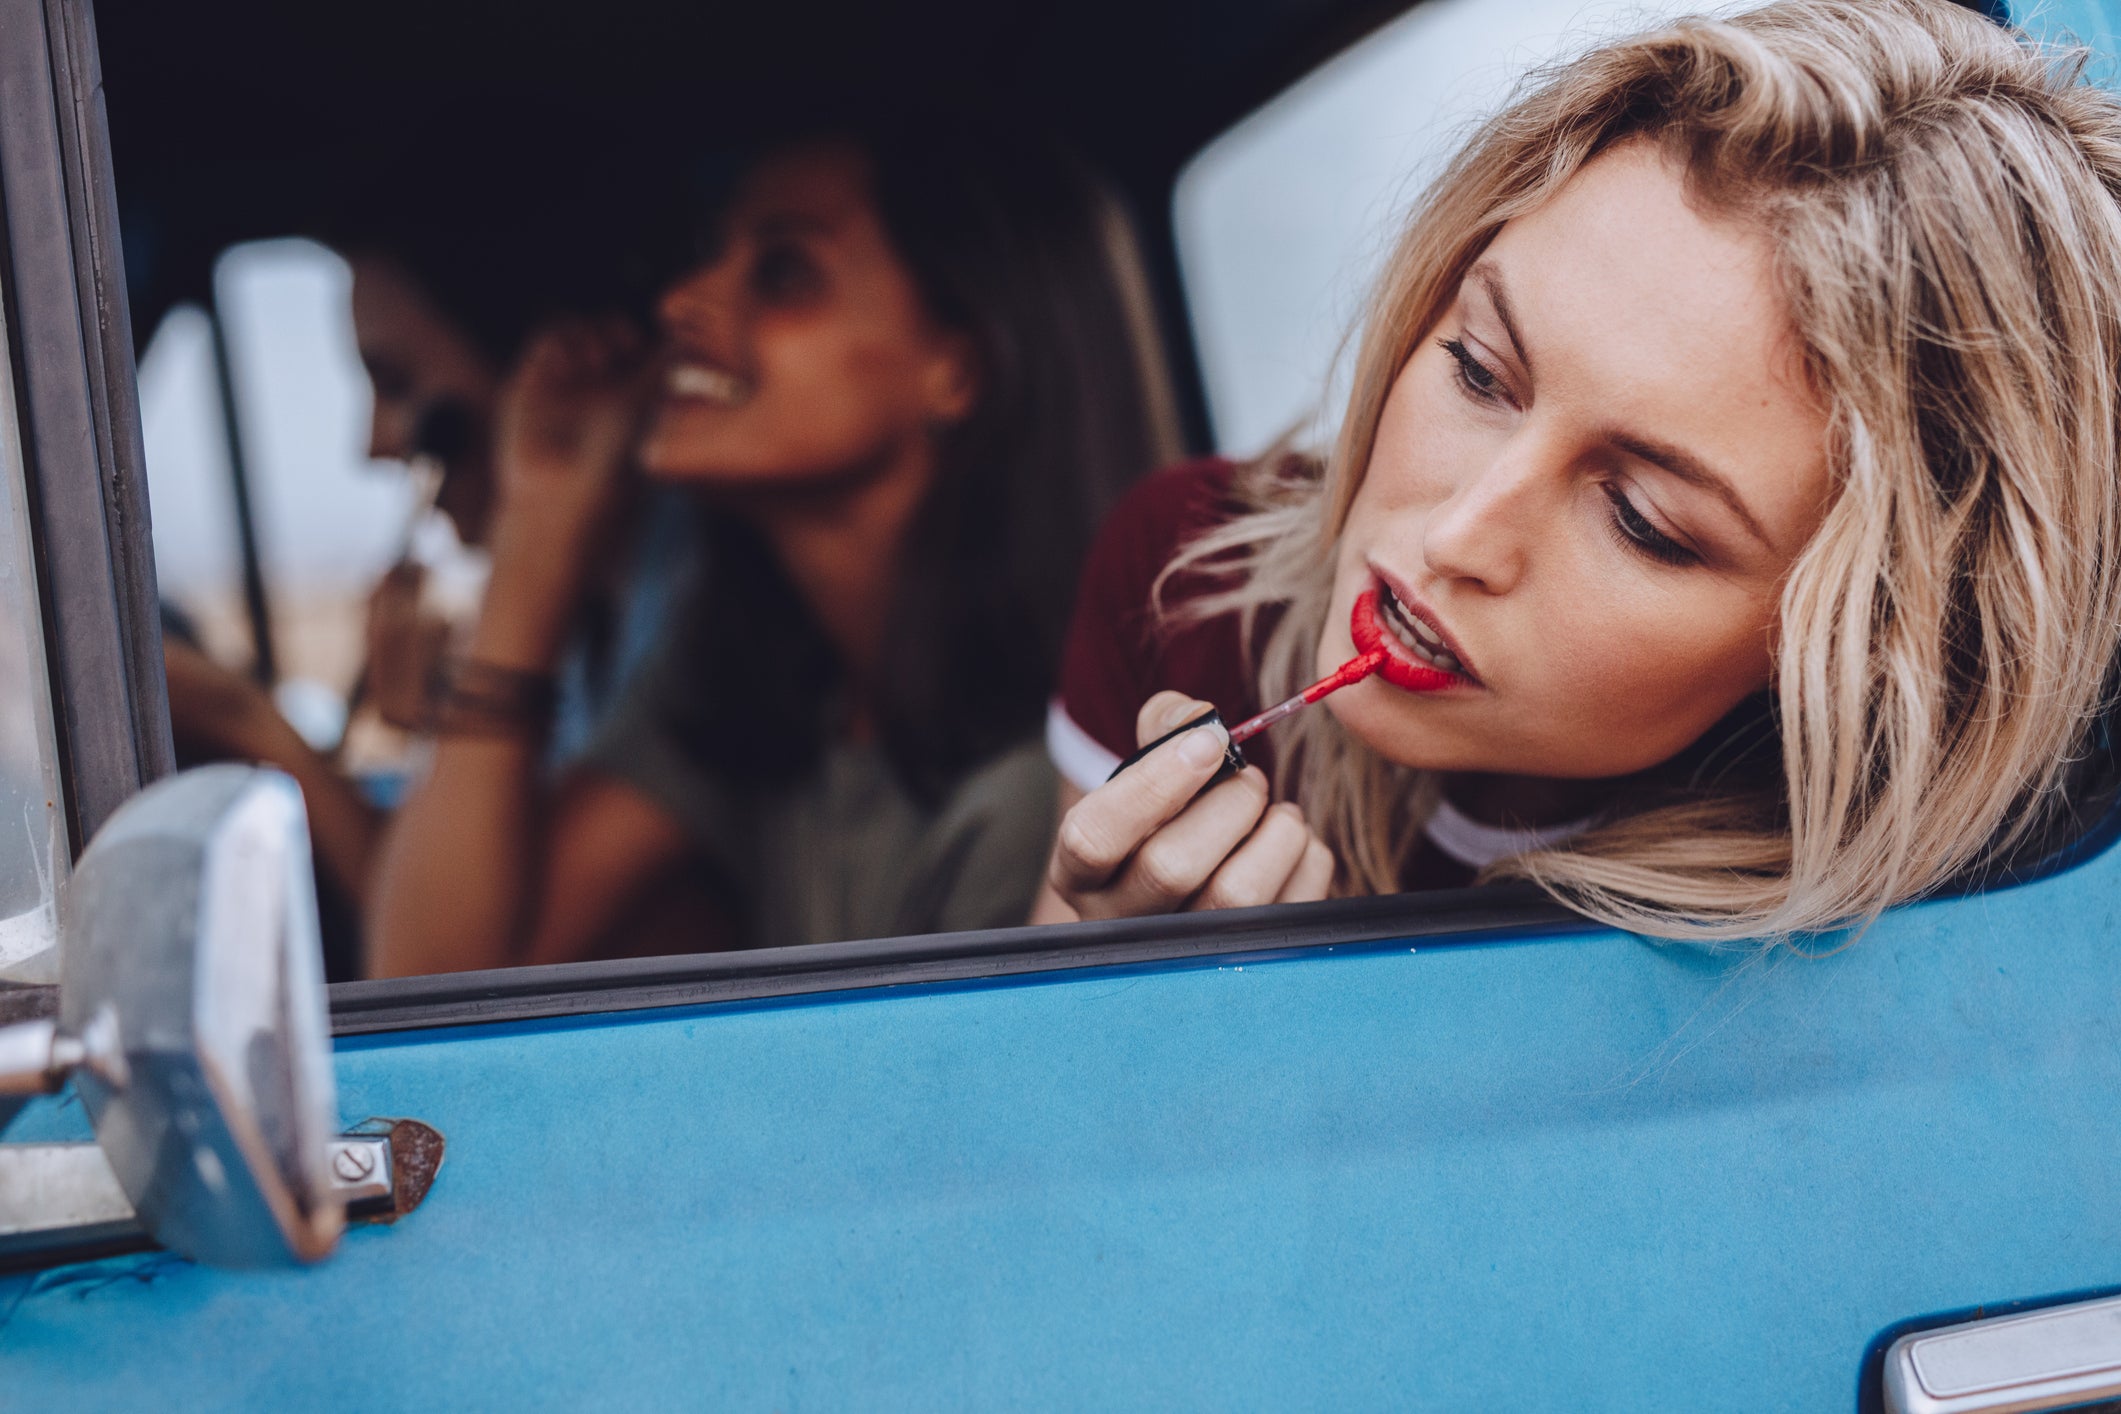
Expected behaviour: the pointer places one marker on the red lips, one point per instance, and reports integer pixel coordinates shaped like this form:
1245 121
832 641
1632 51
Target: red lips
1401 668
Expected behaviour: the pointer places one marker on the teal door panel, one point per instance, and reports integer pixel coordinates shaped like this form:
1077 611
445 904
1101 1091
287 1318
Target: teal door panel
1577 1172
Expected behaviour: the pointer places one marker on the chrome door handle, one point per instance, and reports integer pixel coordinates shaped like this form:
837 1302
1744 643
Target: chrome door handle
2059 1357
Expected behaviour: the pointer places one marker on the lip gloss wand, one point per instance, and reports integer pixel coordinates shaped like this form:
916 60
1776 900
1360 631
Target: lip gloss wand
1346 675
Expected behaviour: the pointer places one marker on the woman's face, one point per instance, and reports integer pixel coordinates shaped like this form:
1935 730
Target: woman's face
1587 486
801 354
421 364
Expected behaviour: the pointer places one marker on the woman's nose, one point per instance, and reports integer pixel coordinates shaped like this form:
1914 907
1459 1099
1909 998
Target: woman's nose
703 294
1483 532
389 432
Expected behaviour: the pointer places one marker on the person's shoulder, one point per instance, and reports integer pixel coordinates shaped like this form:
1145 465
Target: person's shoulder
1128 640
1144 531
1170 506
1149 525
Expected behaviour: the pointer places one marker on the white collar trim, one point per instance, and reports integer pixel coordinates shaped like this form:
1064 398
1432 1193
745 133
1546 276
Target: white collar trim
1477 846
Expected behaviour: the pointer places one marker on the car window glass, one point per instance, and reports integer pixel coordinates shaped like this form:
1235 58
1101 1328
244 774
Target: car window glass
33 848
1284 219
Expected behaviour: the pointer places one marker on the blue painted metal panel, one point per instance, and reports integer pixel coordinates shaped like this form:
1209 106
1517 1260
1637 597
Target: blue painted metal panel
2093 22
1578 1172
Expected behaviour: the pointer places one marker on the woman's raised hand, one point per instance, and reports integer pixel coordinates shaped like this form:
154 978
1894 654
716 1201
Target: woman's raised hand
564 439
1143 843
566 428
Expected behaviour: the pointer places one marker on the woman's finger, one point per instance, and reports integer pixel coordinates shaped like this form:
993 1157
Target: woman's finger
1258 869
1175 861
1312 879
1107 825
1165 712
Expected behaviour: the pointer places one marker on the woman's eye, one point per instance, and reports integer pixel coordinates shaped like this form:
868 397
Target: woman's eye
1638 534
1475 377
783 273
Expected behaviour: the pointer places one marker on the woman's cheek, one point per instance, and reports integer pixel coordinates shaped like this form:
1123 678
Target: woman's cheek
1644 697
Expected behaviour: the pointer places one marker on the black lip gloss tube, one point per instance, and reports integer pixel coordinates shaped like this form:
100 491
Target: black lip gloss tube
1233 759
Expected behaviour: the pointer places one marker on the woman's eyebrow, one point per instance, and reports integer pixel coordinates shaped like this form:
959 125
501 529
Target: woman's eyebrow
1685 466
1490 280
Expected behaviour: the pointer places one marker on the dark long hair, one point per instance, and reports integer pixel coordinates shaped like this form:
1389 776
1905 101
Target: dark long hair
506 218
1015 244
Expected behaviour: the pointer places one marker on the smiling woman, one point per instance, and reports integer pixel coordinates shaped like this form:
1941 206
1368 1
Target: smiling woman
901 384
1730 471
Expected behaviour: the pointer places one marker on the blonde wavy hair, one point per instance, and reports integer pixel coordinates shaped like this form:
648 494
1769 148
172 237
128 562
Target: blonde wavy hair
1941 199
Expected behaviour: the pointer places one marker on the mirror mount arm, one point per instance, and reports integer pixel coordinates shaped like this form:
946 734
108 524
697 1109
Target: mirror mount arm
61 1203
36 1057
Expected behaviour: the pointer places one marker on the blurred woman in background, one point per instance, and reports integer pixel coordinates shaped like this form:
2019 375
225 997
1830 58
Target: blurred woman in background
456 258
905 382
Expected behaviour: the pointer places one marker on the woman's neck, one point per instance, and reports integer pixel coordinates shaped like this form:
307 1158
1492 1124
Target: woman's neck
841 550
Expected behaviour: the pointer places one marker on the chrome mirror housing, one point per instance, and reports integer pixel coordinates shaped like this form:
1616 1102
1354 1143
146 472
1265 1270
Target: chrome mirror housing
192 963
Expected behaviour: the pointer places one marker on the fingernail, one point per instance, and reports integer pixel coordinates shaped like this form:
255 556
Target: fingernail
1201 746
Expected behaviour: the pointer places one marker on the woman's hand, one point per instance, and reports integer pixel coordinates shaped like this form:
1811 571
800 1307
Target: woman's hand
1142 843
218 714
566 426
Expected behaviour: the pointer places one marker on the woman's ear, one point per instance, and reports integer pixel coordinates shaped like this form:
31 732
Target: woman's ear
953 382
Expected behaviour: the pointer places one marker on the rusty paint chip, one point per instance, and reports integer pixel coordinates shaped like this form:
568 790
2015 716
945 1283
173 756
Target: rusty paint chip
415 1158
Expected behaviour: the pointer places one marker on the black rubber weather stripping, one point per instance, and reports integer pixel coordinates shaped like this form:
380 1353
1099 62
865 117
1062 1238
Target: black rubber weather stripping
525 993
583 988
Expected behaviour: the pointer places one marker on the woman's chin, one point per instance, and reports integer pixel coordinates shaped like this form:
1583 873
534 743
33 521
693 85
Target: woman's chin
1376 714
694 444
661 460
1447 731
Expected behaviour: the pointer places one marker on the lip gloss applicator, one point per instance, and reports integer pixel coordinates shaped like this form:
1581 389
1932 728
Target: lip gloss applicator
1346 675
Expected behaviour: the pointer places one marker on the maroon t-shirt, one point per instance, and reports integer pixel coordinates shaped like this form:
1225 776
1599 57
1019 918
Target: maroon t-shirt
1121 652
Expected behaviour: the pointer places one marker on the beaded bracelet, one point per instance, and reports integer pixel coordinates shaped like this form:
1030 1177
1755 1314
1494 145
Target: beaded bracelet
485 699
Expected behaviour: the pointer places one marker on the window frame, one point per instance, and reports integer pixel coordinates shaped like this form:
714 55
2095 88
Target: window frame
72 361
630 984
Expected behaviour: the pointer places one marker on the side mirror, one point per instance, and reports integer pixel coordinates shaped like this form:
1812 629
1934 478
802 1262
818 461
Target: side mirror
192 993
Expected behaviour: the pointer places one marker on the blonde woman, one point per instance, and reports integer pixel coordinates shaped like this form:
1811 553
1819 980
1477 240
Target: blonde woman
1730 473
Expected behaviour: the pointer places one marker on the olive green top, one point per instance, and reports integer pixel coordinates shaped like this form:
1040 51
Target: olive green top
846 852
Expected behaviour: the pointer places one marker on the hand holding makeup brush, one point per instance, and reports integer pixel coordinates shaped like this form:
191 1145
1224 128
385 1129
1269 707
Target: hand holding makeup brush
1151 841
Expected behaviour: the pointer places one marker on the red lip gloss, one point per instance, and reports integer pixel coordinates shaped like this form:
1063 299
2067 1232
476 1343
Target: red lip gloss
1399 669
